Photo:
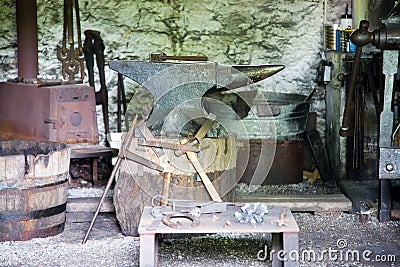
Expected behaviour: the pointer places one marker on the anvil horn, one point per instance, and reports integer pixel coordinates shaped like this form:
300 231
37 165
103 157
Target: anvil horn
258 73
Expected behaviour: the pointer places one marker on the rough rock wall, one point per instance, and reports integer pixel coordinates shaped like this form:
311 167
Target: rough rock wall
285 32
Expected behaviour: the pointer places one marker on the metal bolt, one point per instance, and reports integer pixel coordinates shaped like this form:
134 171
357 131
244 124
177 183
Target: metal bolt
389 167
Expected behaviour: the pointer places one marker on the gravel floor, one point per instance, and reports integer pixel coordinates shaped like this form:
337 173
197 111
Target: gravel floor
318 187
340 234
108 247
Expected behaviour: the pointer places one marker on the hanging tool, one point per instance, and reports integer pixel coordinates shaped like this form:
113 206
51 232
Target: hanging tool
121 100
94 45
71 59
347 129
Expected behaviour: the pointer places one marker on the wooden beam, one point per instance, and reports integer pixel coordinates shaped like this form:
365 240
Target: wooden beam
308 203
89 204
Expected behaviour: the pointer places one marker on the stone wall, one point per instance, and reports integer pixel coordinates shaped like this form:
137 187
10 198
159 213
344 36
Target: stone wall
285 32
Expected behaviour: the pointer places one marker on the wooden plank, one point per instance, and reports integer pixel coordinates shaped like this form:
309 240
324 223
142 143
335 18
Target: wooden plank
309 203
78 217
89 204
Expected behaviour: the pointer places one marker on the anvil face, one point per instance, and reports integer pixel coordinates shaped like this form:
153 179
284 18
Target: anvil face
178 88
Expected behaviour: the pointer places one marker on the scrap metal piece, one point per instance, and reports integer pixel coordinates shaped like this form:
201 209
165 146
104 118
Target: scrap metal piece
251 213
282 216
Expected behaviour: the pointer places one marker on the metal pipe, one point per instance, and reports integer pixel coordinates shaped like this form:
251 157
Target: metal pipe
27 38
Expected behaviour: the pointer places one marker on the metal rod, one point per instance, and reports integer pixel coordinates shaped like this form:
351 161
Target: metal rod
347 129
125 144
110 180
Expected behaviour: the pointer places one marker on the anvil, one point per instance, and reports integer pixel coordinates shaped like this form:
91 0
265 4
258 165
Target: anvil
178 87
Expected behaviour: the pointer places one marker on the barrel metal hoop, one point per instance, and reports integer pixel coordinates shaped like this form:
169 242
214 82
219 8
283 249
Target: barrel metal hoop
40 233
61 179
37 214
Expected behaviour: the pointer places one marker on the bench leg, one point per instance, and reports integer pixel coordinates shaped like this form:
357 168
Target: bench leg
148 250
276 248
291 246
285 250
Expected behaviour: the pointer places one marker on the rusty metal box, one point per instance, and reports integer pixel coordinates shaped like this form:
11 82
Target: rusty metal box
64 113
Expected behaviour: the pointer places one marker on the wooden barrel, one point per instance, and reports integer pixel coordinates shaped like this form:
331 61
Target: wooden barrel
33 189
137 185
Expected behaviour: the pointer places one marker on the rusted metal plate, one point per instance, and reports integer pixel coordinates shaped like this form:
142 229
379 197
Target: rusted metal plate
65 113
286 162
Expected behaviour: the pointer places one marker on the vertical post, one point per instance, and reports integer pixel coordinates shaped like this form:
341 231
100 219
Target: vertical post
148 251
277 247
389 69
27 38
291 247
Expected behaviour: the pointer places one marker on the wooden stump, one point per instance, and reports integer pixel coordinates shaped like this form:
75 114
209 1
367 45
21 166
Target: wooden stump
137 185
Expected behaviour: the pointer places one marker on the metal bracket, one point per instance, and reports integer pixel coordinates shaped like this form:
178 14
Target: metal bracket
389 163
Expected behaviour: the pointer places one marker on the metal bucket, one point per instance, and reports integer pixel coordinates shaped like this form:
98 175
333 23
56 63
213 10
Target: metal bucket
284 130
33 189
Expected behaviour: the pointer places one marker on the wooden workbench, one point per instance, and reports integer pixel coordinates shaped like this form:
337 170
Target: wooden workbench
284 238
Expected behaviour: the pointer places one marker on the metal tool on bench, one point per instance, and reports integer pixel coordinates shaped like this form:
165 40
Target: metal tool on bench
387 38
193 207
188 209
